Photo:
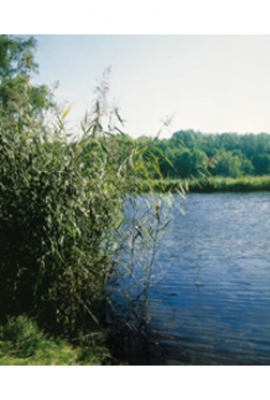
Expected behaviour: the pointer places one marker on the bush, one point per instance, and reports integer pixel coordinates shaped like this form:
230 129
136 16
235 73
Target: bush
59 203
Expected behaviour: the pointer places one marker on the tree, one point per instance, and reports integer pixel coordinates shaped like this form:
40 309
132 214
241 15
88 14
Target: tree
228 165
261 163
191 163
19 99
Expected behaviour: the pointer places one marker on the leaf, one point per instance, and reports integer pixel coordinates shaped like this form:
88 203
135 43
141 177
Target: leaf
122 122
66 111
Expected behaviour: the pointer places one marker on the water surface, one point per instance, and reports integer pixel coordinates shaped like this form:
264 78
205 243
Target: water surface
213 304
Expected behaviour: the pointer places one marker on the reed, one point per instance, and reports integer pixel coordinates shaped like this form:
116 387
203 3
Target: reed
62 205
63 202
210 184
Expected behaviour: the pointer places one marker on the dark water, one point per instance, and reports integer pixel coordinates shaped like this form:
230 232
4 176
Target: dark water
212 306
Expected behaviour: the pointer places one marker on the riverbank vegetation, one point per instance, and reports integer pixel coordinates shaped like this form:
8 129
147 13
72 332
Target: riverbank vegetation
210 184
22 342
63 196
202 162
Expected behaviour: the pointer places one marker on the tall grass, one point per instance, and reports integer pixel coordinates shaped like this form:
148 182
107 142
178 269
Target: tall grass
58 203
61 210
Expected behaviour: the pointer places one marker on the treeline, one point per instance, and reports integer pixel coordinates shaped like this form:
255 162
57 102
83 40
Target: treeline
192 154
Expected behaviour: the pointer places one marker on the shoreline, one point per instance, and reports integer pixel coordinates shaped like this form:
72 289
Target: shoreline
209 185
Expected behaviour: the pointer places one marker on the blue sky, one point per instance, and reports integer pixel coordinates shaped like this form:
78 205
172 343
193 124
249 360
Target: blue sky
211 83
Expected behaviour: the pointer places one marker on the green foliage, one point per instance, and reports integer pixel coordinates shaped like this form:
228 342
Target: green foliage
62 204
261 164
59 204
210 184
17 95
22 342
190 153
21 336
227 164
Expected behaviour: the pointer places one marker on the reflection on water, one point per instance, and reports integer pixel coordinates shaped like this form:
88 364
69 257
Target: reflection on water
213 304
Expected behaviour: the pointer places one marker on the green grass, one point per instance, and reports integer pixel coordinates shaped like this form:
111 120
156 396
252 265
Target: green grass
211 184
23 343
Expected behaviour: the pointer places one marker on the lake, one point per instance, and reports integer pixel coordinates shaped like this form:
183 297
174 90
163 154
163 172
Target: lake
212 305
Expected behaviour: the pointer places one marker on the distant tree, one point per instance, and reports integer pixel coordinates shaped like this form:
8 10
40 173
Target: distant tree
189 138
228 141
209 145
227 165
191 163
227 154
261 164
247 167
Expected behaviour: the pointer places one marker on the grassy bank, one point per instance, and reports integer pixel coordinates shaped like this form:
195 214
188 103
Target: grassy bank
211 184
23 343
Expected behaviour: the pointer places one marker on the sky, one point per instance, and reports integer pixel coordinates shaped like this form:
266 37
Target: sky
209 83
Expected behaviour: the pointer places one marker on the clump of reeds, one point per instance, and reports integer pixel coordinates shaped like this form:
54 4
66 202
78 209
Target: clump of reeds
62 203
